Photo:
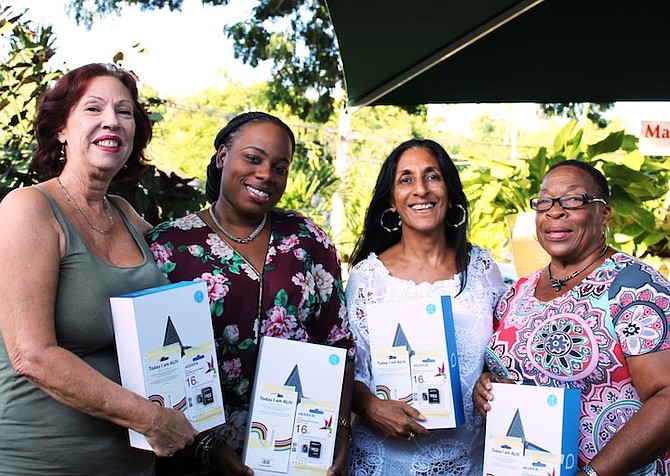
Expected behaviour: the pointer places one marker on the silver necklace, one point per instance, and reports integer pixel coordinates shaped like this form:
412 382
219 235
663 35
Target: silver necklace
558 284
105 207
243 241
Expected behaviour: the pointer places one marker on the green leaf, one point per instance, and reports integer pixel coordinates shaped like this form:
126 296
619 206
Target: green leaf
611 143
168 267
627 234
634 160
563 137
652 238
281 299
246 344
292 310
216 308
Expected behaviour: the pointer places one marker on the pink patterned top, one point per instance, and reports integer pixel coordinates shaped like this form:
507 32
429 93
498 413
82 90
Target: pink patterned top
298 295
581 340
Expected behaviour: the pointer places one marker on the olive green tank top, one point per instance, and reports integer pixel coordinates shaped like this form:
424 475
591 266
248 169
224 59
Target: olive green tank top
39 435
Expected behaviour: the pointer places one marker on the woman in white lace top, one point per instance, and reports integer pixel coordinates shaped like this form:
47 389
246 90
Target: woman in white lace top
415 245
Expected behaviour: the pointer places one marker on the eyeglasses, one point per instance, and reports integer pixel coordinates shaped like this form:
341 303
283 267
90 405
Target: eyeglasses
567 202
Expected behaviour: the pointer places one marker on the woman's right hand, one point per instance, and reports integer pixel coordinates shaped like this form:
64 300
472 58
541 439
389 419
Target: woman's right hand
170 431
226 461
395 418
482 395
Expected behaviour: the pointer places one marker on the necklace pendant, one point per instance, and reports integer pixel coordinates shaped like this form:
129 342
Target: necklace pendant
557 284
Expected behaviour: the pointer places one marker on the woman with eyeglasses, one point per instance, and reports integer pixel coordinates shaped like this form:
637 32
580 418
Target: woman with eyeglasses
610 313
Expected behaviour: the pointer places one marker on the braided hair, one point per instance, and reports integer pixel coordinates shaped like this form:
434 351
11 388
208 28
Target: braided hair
226 136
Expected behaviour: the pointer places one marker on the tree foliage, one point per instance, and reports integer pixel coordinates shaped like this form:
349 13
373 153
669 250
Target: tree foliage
298 38
185 144
496 185
24 75
295 36
638 183
594 112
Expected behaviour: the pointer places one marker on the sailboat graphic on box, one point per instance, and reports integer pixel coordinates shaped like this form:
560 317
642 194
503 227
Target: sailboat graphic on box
172 336
516 431
400 340
293 380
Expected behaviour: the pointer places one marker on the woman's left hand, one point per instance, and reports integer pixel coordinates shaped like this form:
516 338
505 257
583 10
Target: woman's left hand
482 395
340 466
226 461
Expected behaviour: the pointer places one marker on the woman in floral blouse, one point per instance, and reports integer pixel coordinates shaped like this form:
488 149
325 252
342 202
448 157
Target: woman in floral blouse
269 271
594 319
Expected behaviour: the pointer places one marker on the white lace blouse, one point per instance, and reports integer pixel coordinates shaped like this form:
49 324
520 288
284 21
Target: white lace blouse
457 451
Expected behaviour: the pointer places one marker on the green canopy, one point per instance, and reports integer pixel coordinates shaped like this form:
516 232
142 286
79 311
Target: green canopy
407 52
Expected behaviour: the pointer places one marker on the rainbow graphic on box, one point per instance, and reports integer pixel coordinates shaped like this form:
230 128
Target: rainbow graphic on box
258 430
283 445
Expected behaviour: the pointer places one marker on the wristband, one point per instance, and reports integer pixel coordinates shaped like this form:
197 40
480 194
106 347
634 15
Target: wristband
589 470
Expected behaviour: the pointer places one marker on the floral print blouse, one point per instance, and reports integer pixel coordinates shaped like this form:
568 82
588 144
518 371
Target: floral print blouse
298 295
581 339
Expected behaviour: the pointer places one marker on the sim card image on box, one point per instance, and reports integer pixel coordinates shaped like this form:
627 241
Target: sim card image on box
205 399
432 386
314 435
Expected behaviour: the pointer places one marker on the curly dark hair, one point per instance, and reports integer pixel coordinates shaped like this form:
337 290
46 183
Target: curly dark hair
55 107
376 239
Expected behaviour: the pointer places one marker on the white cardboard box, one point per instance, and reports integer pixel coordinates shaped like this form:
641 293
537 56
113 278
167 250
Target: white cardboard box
532 431
414 358
166 352
294 407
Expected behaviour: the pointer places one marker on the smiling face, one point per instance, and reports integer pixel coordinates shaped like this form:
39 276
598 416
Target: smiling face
571 235
100 127
420 192
255 168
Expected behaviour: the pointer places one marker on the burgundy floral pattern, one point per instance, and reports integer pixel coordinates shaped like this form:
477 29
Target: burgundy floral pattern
581 340
299 289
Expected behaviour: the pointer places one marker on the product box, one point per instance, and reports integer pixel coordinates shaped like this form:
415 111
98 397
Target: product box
165 347
294 407
414 358
532 431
